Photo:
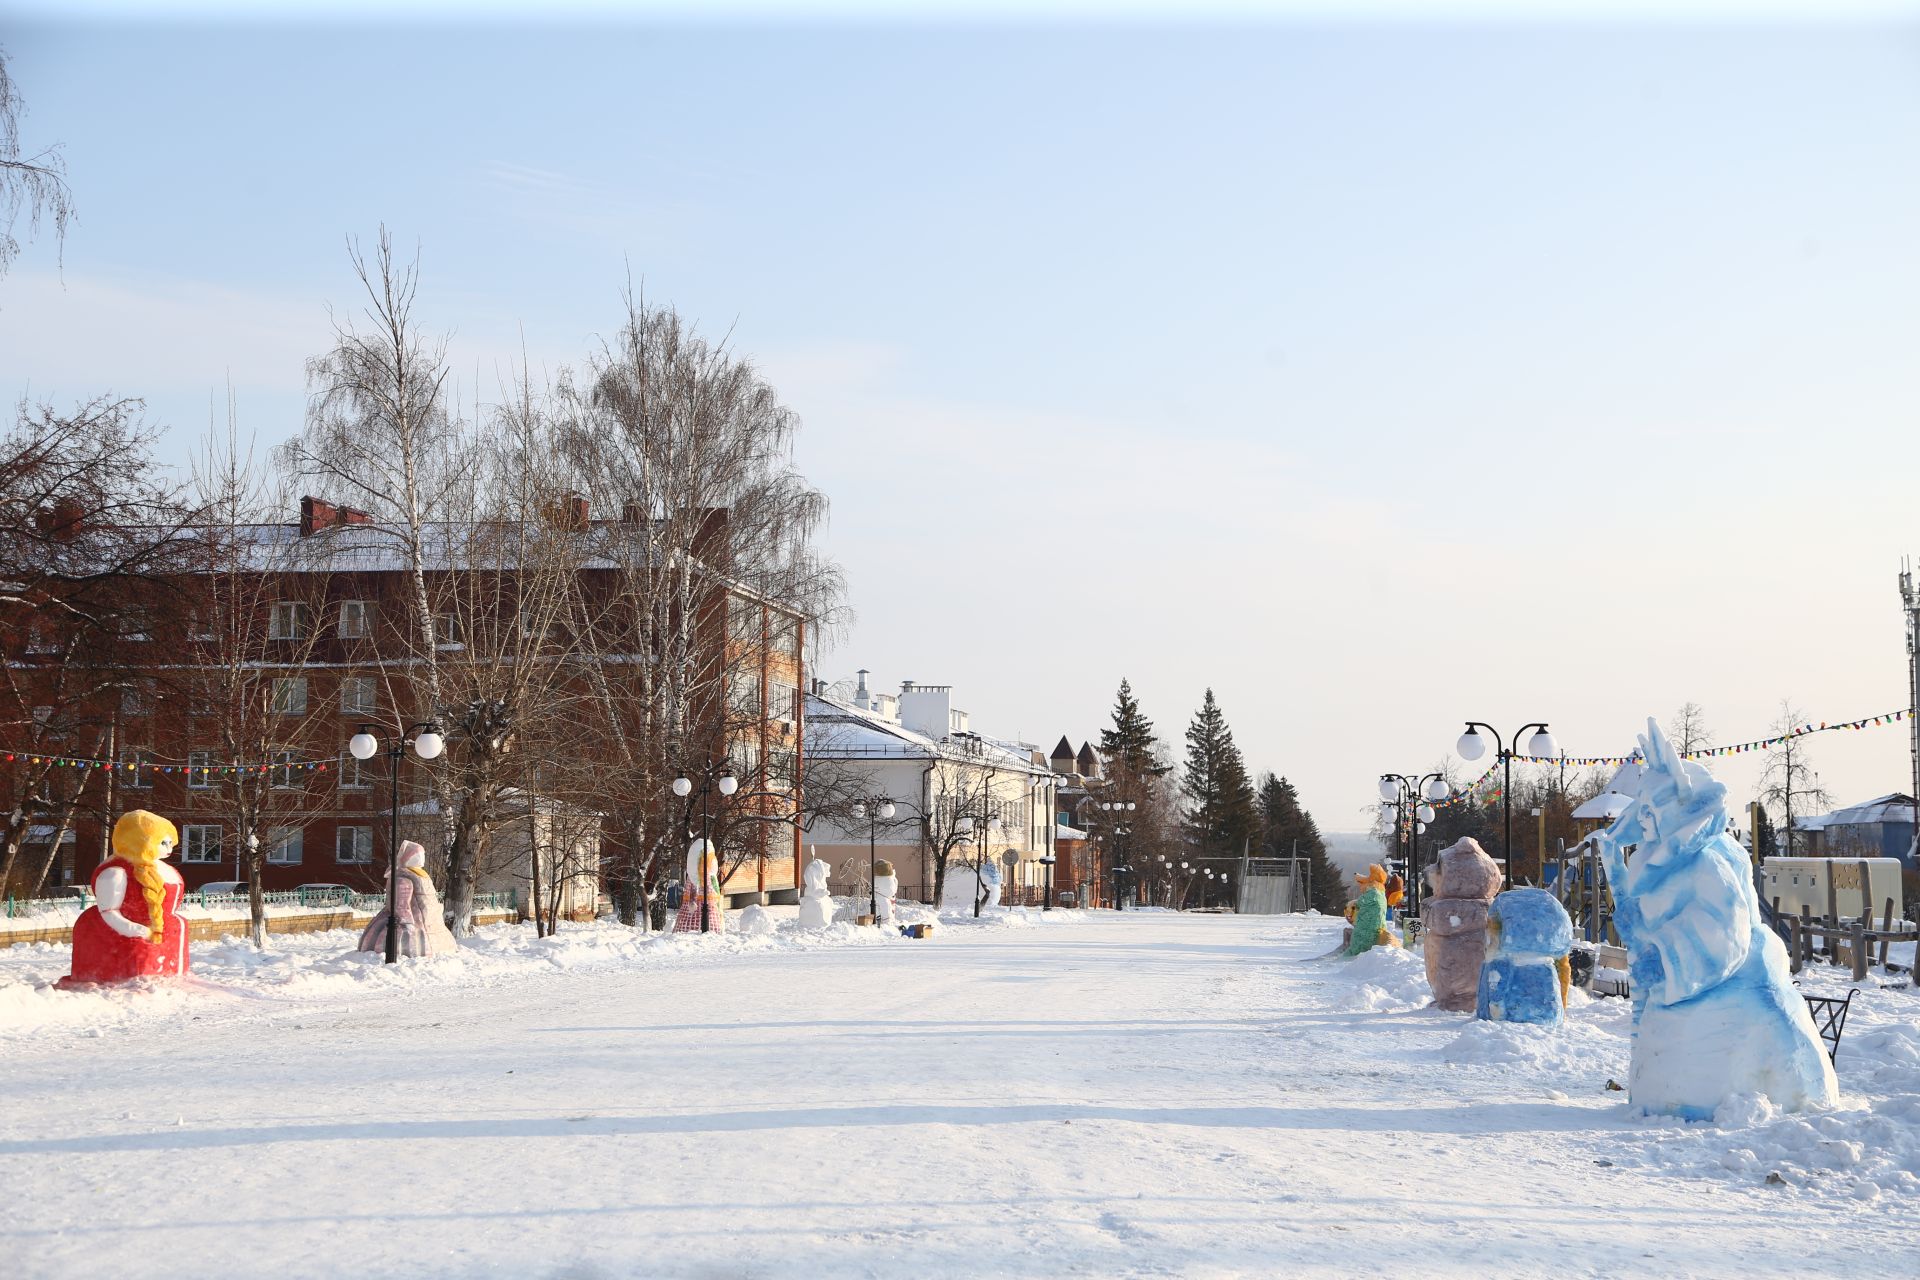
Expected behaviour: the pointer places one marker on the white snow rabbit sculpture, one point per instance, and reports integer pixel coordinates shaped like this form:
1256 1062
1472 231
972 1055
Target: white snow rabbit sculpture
816 905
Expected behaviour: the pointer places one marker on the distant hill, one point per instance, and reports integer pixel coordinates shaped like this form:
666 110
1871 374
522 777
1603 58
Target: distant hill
1352 850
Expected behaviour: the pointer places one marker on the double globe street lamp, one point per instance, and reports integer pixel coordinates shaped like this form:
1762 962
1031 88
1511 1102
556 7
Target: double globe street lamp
873 811
1410 818
427 744
1473 745
713 777
1115 815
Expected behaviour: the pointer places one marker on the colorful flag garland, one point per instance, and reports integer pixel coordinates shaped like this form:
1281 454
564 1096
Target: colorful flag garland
1705 753
156 766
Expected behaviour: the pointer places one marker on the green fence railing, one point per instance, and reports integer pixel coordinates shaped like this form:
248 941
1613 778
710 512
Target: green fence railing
12 908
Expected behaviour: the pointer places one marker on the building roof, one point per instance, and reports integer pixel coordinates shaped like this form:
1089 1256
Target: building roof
1606 806
840 731
1062 750
1895 806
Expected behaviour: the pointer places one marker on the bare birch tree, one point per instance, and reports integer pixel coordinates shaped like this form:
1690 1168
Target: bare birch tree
31 182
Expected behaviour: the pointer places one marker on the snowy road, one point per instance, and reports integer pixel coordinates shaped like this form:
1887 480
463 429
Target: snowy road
1113 1095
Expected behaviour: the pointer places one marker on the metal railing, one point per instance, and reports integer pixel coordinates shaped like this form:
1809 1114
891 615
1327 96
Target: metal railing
15 908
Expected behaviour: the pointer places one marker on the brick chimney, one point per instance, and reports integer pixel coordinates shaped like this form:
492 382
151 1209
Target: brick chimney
571 512
317 514
62 520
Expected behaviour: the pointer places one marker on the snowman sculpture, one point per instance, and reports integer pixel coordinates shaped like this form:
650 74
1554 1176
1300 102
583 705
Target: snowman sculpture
816 904
886 887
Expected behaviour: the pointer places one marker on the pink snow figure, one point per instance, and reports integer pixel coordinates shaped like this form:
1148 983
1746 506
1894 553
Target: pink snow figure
702 887
1464 881
423 929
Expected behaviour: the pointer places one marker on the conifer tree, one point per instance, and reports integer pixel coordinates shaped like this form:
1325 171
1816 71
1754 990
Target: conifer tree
1219 794
1127 747
1287 830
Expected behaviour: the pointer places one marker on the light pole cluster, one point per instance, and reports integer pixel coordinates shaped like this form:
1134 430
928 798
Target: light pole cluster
1114 816
427 744
1411 814
714 776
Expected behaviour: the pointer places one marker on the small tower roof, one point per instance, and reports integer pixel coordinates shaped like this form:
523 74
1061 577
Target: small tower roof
1064 751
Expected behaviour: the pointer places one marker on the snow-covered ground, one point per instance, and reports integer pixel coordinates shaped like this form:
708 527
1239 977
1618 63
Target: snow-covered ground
1074 1093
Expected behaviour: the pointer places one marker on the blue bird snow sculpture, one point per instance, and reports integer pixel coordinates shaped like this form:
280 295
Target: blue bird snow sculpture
1524 978
1715 1012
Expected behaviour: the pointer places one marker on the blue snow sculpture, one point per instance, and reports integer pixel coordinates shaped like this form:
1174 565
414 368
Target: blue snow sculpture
1524 977
1715 1012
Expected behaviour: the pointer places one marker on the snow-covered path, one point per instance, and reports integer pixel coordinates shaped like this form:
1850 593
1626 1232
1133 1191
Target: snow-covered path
1104 1095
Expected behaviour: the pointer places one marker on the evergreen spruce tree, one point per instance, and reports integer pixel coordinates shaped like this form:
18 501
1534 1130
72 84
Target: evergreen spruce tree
1286 829
1127 747
1220 806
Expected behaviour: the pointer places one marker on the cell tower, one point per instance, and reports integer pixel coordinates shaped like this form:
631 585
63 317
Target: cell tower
1910 601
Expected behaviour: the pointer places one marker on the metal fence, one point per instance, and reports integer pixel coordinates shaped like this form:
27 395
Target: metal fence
15 908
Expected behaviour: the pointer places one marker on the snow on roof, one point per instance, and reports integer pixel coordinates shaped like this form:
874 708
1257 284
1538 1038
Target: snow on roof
1895 806
1607 806
839 731
1068 833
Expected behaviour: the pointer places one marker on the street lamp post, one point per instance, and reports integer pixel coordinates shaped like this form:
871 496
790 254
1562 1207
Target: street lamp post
1473 745
1411 816
874 810
1115 818
713 776
427 744
1047 860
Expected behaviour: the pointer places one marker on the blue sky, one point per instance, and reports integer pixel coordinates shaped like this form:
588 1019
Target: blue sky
1379 374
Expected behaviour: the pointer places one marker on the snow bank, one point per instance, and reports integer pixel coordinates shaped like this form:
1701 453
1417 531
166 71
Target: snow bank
1382 980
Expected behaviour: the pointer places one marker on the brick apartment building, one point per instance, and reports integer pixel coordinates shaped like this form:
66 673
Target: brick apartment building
322 606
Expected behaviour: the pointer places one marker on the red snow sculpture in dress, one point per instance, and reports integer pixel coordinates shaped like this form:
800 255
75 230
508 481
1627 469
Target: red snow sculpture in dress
134 929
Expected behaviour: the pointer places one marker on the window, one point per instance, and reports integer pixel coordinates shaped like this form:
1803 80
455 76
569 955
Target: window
781 767
353 618
354 774
200 775
357 695
139 768
743 620
289 621
41 639
783 701
290 695
786 636
746 698
43 715
200 627
136 698
285 845
200 842
446 630
285 774
353 845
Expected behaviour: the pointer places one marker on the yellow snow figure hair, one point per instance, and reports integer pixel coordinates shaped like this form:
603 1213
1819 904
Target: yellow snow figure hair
136 838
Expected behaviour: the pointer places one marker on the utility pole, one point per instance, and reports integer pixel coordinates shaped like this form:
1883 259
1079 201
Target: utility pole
1910 601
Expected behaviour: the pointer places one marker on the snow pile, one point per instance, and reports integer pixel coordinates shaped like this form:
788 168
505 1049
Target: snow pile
1867 1146
1383 980
1578 1055
325 964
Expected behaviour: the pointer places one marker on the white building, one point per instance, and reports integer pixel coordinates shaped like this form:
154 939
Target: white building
953 790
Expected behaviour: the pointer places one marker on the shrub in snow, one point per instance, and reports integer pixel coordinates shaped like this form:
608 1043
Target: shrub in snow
1524 978
1715 1010
1464 881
